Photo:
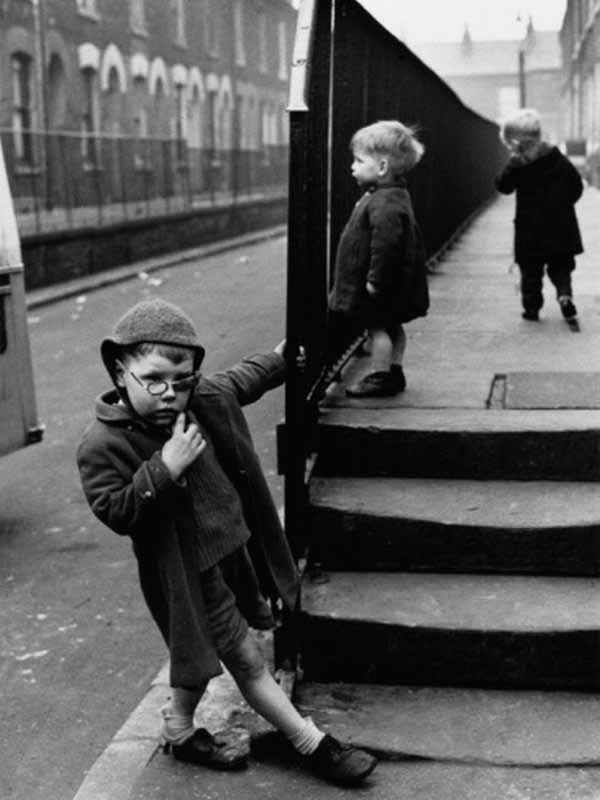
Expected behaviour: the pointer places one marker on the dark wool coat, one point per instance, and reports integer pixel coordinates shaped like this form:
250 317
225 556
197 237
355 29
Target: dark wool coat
129 488
547 190
382 244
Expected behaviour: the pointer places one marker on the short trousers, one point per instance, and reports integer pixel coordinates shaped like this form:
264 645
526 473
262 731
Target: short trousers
228 628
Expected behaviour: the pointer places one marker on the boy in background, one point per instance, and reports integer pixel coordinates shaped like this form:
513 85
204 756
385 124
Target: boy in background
547 234
380 279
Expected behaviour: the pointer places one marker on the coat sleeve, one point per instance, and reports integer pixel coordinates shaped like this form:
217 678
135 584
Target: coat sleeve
573 181
506 181
125 500
387 244
252 377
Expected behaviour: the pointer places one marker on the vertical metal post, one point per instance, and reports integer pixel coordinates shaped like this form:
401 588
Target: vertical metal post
309 112
39 22
522 87
66 173
122 181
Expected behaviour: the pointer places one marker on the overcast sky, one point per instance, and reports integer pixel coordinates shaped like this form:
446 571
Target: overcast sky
444 20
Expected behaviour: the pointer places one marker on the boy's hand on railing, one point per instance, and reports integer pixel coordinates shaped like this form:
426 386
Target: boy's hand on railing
371 290
300 357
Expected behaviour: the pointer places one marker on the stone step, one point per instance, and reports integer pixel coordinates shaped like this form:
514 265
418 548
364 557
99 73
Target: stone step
483 726
502 631
460 443
442 525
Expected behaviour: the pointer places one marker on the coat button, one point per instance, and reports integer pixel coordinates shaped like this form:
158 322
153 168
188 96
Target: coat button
147 494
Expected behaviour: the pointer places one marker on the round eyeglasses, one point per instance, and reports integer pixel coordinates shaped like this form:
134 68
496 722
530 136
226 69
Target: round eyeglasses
157 388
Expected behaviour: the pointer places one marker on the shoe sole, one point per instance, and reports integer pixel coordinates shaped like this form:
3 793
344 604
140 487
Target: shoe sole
356 780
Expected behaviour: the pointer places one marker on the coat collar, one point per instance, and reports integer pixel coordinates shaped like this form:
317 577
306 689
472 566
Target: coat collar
112 412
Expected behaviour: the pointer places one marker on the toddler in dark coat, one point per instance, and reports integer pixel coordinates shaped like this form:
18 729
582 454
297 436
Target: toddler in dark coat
380 279
546 230
169 461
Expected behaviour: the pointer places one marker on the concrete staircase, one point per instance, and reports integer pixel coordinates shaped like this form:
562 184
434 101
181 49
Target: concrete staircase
462 582
457 616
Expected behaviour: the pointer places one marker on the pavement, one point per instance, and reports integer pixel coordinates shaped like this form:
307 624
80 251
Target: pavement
143 270
474 332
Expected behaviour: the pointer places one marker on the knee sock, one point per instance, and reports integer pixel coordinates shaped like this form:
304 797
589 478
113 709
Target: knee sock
268 699
308 738
178 715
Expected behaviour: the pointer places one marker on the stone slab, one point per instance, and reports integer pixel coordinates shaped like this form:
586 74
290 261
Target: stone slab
459 725
495 504
435 525
552 390
488 603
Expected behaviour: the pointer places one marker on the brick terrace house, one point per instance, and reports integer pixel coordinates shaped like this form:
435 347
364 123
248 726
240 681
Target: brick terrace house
210 72
580 44
485 74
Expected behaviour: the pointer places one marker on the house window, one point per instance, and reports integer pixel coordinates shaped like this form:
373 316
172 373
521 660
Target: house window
283 57
213 118
180 121
262 42
238 33
141 154
89 144
137 16
57 92
22 111
88 8
180 22
211 29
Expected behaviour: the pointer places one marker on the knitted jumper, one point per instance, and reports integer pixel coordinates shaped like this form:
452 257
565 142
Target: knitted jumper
216 509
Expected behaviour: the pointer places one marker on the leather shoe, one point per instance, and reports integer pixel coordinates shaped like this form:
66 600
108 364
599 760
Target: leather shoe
227 750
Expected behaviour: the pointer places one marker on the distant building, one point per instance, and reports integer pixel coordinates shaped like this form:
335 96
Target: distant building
212 73
579 37
486 74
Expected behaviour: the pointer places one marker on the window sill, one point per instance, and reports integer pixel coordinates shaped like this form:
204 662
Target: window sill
89 166
28 169
93 16
139 30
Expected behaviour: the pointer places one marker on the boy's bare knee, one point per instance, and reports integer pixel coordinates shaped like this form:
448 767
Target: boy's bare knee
245 662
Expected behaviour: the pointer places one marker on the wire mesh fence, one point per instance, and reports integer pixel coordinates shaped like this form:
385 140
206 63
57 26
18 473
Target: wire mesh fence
64 181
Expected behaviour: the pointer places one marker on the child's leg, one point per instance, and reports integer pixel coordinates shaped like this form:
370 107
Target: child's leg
335 761
387 378
178 714
559 272
267 698
532 274
381 349
398 346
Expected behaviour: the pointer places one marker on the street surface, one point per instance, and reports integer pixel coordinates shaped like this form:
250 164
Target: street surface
77 647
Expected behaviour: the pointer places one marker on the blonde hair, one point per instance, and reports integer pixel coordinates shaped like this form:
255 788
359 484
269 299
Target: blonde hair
391 139
523 124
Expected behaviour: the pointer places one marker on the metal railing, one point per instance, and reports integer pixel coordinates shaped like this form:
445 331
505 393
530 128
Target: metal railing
349 71
64 181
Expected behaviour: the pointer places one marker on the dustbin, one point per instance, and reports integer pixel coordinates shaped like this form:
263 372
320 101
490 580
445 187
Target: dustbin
19 424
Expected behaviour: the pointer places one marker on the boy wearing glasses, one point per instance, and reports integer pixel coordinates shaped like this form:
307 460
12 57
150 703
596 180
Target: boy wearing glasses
169 461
